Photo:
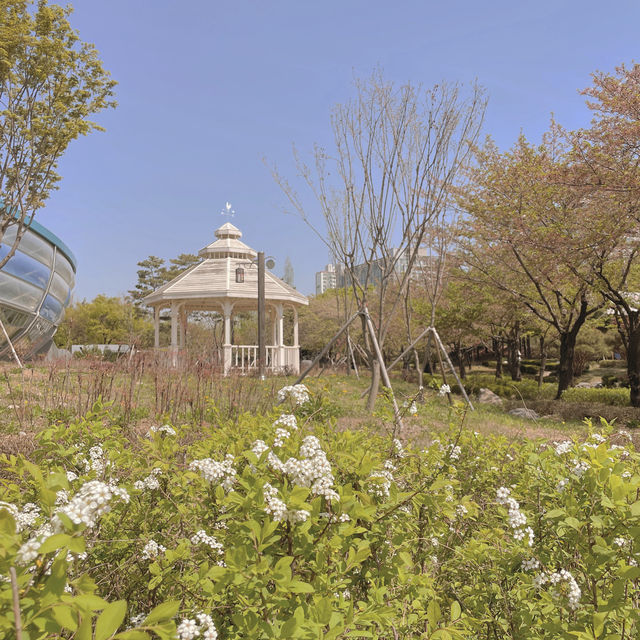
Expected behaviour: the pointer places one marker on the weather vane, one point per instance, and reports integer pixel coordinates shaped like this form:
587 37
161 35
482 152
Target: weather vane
228 210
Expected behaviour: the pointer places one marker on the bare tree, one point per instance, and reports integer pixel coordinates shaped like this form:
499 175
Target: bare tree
397 153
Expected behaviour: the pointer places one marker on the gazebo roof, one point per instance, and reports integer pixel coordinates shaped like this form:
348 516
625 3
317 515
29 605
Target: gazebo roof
214 279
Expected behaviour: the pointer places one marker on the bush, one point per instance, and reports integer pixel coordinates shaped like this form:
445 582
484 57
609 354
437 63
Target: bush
352 536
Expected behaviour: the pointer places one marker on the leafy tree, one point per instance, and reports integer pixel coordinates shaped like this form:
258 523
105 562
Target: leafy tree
153 273
607 168
51 83
287 275
522 223
104 320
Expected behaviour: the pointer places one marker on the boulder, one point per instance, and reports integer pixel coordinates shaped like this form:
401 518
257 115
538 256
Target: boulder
584 385
521 412
486 396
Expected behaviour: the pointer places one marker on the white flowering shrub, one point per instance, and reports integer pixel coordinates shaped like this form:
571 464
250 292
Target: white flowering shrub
240 532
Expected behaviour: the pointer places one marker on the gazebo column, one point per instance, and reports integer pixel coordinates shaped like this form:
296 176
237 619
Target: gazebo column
280 335
182 328
296 351
156 327
174 333
227 349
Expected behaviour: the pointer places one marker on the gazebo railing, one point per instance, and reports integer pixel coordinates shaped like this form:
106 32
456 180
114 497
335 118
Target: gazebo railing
244 358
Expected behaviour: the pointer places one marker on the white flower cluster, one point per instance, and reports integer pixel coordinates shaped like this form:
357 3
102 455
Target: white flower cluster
454 451
530 564
164 429
621 542
398 449
71 476
461 511
287 420
563 447
62 497
152 550
297 392
278 510
444 390
150 482
90 503
214 471
281 436
579 468
381 484
562 485
202 537
25 518
596 437
313 470
95 460
517 519
564 585
259 447
189 629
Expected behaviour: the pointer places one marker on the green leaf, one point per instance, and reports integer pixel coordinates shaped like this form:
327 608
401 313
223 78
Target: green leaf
63 615
163 611
110 619
456 610
297 586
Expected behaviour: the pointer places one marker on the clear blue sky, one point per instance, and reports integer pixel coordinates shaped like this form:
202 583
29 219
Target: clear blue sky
208 89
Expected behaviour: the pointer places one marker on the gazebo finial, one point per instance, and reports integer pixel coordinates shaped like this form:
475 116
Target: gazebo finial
228 210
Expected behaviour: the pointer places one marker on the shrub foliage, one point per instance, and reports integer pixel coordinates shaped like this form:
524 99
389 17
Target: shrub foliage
279 526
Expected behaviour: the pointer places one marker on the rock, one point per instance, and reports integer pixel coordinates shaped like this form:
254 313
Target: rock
305 364
584 385
521 412
486 396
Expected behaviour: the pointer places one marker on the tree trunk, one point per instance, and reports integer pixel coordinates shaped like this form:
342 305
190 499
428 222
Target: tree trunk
633 366
543 362
375 385
416 358
497 352
565 368
460 358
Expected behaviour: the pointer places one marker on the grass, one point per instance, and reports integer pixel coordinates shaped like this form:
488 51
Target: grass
147 391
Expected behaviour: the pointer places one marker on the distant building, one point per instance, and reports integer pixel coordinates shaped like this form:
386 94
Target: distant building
335 277
326 279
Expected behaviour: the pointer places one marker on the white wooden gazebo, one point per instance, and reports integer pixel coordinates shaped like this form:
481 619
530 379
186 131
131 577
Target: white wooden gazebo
227 281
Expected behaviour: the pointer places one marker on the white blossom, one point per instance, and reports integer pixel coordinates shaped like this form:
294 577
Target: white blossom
150 482
213 471
563 447
164 429
444 390
281 436
152 550
298 393
287 420
201 537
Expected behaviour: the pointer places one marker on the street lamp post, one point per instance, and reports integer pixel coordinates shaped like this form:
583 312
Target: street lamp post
262 350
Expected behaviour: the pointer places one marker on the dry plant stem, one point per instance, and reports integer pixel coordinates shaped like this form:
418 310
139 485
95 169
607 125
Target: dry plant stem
16 602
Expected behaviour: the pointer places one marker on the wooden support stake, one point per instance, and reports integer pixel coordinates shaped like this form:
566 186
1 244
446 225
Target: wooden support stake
383 369
328 346
453 371
395 362
353 356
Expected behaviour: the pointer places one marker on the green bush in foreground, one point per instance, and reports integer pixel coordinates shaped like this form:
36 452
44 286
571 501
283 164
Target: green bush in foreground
273 527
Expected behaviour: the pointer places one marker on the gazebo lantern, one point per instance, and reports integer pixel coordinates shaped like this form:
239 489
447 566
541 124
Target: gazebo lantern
222 283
